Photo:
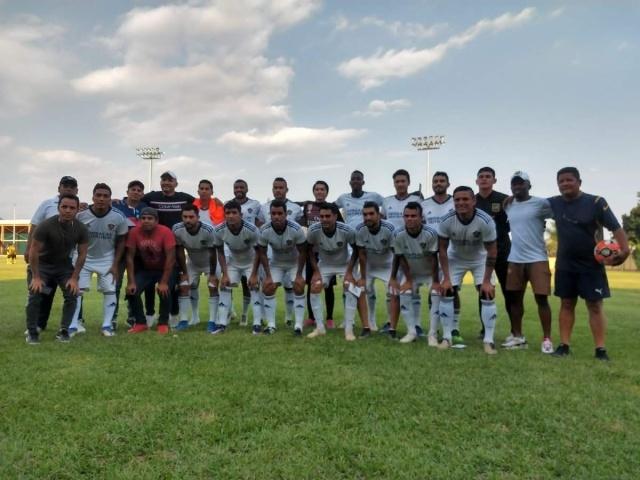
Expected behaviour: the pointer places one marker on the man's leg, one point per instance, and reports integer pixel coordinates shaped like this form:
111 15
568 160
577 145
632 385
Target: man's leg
246 301
70 301
597 321
566 319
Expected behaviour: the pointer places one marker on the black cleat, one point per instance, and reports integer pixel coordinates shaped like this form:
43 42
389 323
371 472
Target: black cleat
366 333
601 354
32 339
561 351
297 332
63 336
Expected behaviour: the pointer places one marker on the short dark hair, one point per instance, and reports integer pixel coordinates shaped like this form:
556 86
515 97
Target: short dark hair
135 183
463 188
571 170
241 181
190 207
278 204
440 174
487 169
101 186
403 172
280 179
371 204
329 206
413 206
357 172
208 182
71 196
321 182
232 205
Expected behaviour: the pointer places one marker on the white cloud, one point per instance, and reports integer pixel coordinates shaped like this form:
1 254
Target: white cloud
377 108
189 70
406 29
557 12
32 64
375 70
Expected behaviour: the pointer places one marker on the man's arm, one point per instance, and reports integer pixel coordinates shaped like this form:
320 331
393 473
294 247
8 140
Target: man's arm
167 269
443 257
181 259
224 276
252 281
120 244
72 283
621 238
487 289
36 282
131 274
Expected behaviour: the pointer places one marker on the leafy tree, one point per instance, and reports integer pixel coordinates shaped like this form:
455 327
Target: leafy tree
631 225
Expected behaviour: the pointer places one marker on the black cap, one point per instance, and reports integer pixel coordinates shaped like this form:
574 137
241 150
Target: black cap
151 212
67 180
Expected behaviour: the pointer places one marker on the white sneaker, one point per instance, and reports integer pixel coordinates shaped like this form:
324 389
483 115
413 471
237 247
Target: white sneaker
489 349
317 333
26 332
194 321
507 340
349 336
444 344
107 332
515 343
373 327
547 346
408 338
151 320
432 341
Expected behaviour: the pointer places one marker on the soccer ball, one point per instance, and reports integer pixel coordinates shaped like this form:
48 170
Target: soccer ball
605 251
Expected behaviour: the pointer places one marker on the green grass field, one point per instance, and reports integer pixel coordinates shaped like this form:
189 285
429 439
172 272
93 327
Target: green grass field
238 406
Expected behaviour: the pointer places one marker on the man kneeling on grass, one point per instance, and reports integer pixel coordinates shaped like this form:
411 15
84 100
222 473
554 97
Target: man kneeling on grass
150 260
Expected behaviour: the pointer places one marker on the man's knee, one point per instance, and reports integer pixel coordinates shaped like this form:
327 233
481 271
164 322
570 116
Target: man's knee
594 307
542 300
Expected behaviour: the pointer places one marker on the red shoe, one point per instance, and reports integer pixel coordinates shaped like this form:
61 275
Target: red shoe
163 329
330 324
138 328
309 322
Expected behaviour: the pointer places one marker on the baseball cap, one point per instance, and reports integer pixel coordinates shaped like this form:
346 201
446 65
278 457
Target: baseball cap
169 173
67 180
521 175
151 212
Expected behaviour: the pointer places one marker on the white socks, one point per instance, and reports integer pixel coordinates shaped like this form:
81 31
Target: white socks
446 317
318 310
434 314
489 315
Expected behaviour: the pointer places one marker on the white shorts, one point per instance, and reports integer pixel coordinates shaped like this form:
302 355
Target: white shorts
329 271
106 282
458 269
285 275
194 274
236 272
419 281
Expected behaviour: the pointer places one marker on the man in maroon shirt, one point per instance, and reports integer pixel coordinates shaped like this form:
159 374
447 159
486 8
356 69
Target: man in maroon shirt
150 260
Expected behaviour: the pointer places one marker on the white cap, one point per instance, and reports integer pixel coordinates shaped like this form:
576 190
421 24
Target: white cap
521 175
170 174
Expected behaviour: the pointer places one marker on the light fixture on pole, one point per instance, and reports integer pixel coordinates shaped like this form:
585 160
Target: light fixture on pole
432 142
151 154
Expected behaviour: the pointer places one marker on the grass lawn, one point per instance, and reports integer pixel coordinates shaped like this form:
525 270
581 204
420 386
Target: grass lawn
238 406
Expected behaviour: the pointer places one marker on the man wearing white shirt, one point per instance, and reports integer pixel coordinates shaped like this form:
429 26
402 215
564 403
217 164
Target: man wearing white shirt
528 260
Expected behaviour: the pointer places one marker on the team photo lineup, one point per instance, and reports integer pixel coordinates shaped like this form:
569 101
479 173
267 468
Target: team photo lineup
418 250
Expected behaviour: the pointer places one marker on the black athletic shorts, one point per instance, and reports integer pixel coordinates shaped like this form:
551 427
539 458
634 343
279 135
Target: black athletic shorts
591 285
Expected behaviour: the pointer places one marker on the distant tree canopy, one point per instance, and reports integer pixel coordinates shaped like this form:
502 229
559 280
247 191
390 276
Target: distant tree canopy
631 225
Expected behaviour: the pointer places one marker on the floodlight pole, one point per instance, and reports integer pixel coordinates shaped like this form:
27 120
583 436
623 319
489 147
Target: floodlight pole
151 154
428 143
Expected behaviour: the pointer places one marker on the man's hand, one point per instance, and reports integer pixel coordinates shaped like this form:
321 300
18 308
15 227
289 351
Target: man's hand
316 278
618 258
252 281
224 281
487 290
72 285
406 286
131 287
213 281
163 289
348 278
183 281
437 288
36 285
298 283
114 271
446 286
394 286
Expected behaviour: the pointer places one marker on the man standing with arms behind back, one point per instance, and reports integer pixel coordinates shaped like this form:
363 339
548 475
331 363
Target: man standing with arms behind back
579 220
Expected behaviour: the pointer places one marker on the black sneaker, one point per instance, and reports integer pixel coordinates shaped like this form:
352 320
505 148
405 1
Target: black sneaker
385 329
131 321
561 351
419 332
366 333
297 332
601 354
392 334
269 331
63 336
32 339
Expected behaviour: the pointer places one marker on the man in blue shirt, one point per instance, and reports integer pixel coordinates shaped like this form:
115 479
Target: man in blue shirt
579 220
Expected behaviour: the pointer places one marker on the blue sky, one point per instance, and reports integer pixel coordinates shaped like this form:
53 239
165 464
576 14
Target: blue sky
310 89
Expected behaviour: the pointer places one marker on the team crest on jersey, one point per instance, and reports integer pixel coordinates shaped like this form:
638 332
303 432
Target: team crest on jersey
476 234
250 210
423 244
203 242
111 226
383 241
340 244
495 207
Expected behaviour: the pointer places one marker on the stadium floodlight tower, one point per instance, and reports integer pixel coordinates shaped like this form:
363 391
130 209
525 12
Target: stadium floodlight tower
151 154
432 142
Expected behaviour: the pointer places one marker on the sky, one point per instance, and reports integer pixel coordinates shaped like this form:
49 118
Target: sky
311 89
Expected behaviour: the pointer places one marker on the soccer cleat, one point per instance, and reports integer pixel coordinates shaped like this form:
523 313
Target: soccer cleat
81 328
373 326
547 346
218 329
561 351
138 328
432 341
63 336
509 338
385 328
297 332
317 332
211 326
330 324
309 322
182 325
408 338
365 333
490 349
456 339
73 331
269 331
108 332
515 343
39 330
32 339
151 320
601 354
444 344
419 332
256 330
349 336
163 329
393 335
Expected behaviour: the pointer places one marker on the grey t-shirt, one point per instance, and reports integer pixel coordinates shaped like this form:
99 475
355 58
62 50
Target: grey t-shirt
241 245
377 245
352 206
467 239
103 232
526 222
284 245
59 240
333 250
198 245
418 251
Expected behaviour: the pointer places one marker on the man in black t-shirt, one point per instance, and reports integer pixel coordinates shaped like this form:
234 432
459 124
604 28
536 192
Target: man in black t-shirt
52 244
491 202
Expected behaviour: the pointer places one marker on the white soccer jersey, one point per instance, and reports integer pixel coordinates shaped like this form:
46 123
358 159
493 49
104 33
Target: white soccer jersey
204 217
250 210
333 251
377 245
433 211
466 240
527 222
294 212
46 209
418 250
352 206
284 251
196 244
393 209
103 231
241 246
